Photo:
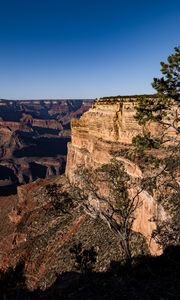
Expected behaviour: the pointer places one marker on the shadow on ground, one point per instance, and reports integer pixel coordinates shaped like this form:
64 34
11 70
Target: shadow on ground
147 278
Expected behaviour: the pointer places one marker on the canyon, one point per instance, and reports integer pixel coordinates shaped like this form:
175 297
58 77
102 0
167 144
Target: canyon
33 139
106 129
47 217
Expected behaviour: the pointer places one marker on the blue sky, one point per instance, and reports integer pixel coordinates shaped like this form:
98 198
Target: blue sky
84 49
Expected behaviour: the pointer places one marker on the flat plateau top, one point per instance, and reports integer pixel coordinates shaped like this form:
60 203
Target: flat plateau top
117 99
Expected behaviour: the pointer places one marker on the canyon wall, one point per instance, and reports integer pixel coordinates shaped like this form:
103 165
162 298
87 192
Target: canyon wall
47 217
33 139
104 129
107 128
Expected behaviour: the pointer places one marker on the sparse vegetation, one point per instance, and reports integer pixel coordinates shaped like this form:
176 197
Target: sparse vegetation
146 278
145 142
84 259
117 200
163 182
61 200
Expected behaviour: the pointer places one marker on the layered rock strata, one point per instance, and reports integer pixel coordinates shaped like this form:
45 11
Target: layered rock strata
107 128
45 219
33 139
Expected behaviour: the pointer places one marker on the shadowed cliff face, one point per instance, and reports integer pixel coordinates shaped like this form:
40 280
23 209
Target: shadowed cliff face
33 139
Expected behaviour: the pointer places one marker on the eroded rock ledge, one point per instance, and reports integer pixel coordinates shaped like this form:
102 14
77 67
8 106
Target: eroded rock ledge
107 128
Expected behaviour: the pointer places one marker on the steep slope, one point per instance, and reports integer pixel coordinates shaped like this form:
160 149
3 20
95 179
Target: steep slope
49 216
102 132
40 229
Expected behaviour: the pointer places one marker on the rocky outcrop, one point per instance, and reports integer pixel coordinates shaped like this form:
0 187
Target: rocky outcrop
14 125
107 128
47 124
47 217
34 229
31 169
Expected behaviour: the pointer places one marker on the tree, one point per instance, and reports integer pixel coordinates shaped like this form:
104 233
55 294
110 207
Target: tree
62 201
109 186
164 109
85 259
106 191
169 84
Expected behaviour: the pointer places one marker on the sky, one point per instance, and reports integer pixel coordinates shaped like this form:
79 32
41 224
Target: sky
84 49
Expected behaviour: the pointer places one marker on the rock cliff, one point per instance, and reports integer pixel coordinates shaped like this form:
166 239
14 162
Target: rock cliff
107 128
47 217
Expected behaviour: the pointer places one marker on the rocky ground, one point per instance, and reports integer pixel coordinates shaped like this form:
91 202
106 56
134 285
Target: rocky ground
35 229
51 249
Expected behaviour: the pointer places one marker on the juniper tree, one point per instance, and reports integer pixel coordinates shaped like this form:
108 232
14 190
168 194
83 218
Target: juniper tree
164 109
117 202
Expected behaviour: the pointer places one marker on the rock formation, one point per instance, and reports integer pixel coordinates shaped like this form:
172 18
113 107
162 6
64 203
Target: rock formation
46 218
34 228
107 128
33 139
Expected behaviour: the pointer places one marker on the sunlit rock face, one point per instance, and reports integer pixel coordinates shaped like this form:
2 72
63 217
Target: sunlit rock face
106 128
